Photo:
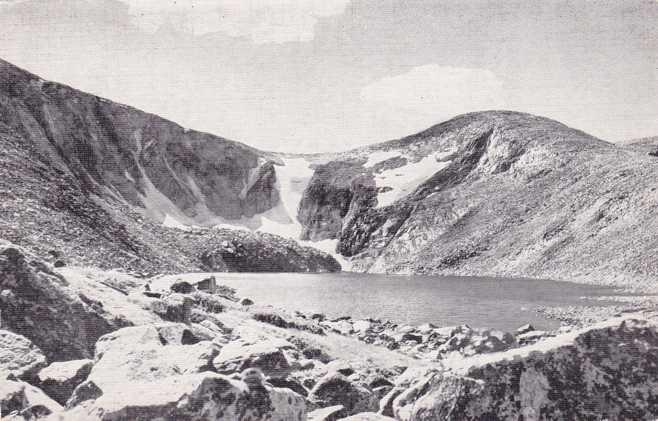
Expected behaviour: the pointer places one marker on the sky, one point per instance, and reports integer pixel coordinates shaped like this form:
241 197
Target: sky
329 75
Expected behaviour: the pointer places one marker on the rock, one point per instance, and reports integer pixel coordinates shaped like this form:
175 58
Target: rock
59 264
288 384
368 416
26 400
531 337
207 284
607 371
143 354
344 327
182 287
246 302
329 413
174 308
524 329
266 355
38 304
336 389
59 379
192 397
19 356
477 341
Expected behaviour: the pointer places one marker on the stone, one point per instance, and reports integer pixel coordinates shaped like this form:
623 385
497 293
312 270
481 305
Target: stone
19 356
59 379
26 400
524 329
39 304
182 287
329 413
174 308
247 302
192 397
606 371
336 389
477 341
267 355
368 416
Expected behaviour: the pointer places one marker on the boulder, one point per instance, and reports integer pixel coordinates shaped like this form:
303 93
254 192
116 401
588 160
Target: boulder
19 356
182 287
469 342
149 353
59 379
524 329
368 416
38 304
607 371
25 400
192 397
267 355
174 308
336 389
329 413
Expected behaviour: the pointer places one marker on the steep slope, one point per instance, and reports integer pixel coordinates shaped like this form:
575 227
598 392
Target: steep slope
491 193
88 181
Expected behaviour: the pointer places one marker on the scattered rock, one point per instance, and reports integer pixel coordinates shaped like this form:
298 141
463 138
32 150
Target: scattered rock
368 416
59 264
524 329
193 397
607 371
246 302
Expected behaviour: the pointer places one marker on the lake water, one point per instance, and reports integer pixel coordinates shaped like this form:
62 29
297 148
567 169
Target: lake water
479 302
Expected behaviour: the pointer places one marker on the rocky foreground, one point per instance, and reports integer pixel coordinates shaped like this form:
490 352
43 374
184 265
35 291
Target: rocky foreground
87 344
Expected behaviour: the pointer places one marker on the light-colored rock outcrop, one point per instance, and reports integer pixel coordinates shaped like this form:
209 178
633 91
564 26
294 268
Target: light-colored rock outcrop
193 397
19 356
608 371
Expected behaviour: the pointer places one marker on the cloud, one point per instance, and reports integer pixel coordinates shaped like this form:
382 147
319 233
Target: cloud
438 90
264 21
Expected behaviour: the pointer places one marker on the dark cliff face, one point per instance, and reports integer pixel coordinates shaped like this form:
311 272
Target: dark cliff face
85 181
119 151
497 193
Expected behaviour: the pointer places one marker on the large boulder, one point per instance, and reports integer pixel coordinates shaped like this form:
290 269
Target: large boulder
25 401
38 304
192 397
336 389
19 356
608 371
368 416
149 353
267 355
467 342
59 379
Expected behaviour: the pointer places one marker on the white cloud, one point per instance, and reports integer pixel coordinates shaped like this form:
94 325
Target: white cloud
263 21
438 90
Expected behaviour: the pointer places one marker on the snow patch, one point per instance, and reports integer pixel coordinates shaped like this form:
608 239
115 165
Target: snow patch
404 180
376 157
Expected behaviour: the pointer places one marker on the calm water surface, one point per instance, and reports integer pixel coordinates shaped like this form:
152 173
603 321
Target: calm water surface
481 302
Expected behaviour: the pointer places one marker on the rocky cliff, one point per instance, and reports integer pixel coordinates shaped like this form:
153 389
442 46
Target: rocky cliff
491 193
84 180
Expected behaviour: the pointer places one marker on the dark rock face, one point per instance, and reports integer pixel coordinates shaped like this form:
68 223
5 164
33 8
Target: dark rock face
606 372
247 252
85 181
117 150
37 304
